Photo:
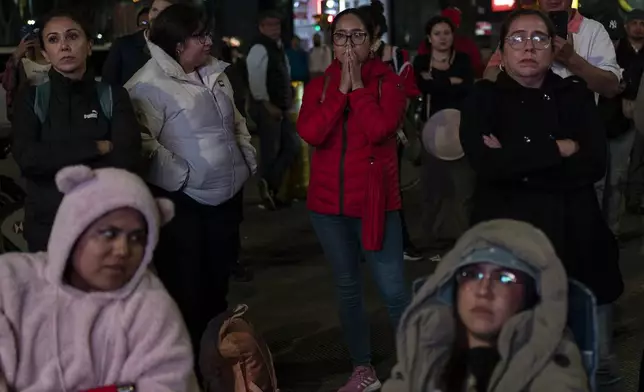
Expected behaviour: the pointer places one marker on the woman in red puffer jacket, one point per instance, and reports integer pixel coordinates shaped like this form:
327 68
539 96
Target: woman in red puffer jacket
351 115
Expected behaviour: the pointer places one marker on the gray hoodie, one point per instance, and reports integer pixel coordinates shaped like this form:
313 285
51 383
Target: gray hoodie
536 352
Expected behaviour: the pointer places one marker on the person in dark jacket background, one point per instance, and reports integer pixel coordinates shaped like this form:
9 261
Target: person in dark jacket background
538 146
128 54
75 130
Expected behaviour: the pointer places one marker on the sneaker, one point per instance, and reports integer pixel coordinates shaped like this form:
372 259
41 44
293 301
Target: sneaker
266 195
363 379
412 254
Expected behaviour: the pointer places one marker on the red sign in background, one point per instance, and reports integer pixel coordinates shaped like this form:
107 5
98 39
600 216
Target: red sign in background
503 5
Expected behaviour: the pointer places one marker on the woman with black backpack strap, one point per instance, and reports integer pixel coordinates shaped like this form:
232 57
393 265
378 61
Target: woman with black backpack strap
70 120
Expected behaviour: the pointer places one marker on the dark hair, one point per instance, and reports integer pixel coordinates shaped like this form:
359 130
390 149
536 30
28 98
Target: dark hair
144 10
377 11
454 374
175 25
516 14
74 16
269 14
361 13
436 20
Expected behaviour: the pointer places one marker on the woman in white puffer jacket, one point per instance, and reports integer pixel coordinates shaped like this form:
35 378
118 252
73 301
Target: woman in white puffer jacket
200 156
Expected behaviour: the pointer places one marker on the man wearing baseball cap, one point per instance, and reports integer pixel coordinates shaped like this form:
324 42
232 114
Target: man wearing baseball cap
462 43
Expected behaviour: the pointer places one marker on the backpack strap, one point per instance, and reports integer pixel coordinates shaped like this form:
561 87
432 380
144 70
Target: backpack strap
41 102
104 91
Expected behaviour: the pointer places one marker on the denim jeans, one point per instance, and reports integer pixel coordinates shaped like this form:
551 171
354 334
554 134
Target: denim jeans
611 189
340 238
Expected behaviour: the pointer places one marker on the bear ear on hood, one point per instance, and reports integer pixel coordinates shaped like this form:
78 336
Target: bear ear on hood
69 178
166 210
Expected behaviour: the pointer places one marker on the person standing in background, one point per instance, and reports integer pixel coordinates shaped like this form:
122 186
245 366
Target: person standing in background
128 54
320 57
462 43
298 60
272 97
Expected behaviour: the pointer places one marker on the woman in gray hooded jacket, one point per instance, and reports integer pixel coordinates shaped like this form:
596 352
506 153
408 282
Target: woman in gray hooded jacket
492 318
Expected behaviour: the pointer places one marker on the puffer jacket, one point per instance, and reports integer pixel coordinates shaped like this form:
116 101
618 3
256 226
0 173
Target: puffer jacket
197 142
536 352
346 130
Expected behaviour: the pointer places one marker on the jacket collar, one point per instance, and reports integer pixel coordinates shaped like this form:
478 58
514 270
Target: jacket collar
372 69
212 68
63 83
552 81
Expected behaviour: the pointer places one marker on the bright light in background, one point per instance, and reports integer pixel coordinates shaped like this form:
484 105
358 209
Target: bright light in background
575 4
31 22
329 18
99 36
330 4
317 28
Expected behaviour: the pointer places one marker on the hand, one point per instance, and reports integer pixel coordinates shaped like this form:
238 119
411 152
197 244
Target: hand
454 80
567 147
355 69
564 50
22 48
426 75
491 141
104 147
345 81
273 110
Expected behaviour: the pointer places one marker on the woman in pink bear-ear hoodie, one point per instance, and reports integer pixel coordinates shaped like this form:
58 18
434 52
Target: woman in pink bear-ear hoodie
89 313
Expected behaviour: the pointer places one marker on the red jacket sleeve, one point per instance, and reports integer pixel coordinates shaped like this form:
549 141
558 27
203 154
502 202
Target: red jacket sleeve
409 77
317 119
380 118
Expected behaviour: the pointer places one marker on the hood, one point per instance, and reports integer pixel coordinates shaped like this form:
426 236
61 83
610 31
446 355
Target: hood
89 195
170 67
526 342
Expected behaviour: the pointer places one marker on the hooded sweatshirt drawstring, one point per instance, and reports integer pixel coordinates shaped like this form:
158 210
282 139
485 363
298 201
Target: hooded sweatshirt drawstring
59 365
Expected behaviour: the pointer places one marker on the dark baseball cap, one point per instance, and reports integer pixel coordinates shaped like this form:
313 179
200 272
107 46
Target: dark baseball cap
635 14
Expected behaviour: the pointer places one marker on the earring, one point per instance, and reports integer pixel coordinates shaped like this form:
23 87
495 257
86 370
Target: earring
501 67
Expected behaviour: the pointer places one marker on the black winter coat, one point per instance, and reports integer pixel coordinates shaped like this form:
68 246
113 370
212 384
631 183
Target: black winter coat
127 56
75 122
528 180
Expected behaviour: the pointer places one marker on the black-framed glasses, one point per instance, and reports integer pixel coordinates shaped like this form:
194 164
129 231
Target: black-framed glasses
519 41
203 37
501 277
356 37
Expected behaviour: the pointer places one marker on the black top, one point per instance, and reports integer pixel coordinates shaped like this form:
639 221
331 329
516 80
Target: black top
528 180
481 362
442 94
127 55
74 123
278 79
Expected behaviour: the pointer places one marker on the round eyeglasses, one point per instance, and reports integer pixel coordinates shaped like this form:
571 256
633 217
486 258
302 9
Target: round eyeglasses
497 277
203 37
356 37
520 41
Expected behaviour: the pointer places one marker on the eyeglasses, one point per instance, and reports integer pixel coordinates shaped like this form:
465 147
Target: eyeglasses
203 37
497 277
519 41
356 37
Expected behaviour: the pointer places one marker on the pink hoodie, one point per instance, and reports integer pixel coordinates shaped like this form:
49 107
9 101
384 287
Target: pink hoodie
54 337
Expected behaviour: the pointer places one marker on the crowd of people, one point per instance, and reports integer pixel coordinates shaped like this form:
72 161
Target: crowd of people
550 155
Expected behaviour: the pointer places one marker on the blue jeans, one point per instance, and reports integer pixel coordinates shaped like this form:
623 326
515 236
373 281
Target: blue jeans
340 238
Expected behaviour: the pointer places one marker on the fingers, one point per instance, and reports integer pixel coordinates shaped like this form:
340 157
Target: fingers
491 141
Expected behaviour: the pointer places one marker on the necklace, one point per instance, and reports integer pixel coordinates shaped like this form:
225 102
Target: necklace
444 60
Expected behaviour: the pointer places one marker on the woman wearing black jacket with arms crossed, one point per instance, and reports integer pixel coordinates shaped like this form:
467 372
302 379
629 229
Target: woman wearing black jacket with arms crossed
75 129
538 146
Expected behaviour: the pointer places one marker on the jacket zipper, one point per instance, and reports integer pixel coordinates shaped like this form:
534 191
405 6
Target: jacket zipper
342 156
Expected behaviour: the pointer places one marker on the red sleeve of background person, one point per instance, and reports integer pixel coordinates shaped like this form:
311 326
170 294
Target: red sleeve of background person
409 77
468 46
